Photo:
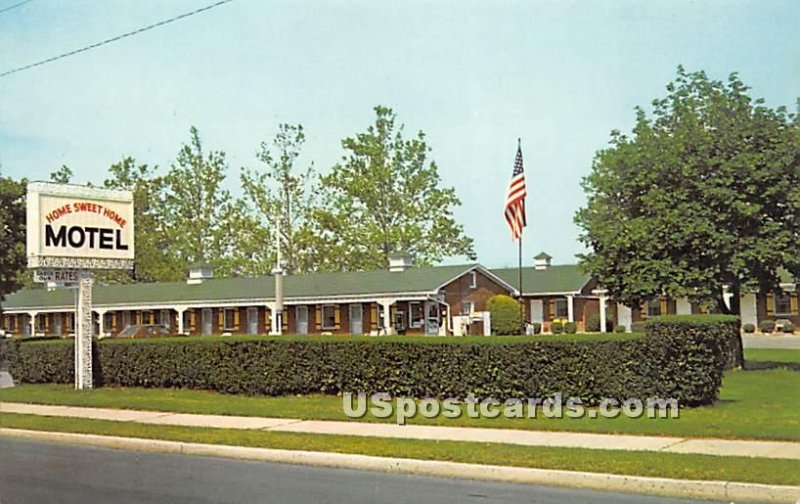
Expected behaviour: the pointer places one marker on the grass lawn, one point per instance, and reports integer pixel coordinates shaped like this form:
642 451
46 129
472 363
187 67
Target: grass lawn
668 465
753 405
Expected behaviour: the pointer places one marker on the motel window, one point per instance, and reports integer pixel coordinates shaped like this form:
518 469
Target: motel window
783 303
126 319
163 318
414 314
229 322
473 281
41 323
107 322
654 308
328 316
467 307
70 322
561 311
12 323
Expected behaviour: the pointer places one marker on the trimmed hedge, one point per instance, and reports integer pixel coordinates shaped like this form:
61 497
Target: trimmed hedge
682 360
704 329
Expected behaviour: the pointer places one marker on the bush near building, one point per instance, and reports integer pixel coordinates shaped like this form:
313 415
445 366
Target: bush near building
505 315
682 359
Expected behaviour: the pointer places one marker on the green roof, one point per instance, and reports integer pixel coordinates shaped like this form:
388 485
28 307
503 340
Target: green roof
413 280
553 279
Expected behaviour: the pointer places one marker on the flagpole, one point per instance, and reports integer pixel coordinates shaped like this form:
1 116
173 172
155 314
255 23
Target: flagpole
521 299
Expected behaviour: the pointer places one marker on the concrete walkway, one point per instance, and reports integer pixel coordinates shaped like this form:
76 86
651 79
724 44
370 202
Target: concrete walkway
777 341
720 447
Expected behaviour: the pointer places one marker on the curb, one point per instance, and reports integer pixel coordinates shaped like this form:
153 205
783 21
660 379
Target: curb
713 490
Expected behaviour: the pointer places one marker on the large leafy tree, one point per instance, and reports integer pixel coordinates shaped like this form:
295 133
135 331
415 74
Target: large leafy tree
198 209
704 194
385 197
283 192
152 236
12 235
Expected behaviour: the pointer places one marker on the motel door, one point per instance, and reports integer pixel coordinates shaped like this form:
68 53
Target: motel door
252 320
58 317
356 319
302 319
207 321
431 319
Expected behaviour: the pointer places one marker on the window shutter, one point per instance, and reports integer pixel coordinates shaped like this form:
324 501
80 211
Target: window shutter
770 304
285 320
318 317
793 301
551 303
236 318
113 322
336 317
664 309
373 316
220 319
643 311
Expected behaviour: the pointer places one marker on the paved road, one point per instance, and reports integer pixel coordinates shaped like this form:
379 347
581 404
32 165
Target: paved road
772 341
35 472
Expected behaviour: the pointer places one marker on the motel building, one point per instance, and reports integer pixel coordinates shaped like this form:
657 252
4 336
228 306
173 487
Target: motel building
404 299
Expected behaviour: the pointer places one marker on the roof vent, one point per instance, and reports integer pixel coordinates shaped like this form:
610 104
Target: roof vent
542 261
400 262
200 272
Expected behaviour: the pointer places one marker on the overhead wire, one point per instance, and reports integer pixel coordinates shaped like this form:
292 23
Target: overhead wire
113 39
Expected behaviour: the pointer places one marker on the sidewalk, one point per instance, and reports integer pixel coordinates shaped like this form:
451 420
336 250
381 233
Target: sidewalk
720 447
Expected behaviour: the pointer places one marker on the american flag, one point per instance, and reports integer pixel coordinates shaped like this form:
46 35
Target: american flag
515 201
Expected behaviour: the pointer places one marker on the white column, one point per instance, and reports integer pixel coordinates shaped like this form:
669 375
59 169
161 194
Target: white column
570 308
180 311
603 300
101 314
32 325
386 304
83 332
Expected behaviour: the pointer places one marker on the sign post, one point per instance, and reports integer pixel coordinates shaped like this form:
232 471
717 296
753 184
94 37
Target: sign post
71 232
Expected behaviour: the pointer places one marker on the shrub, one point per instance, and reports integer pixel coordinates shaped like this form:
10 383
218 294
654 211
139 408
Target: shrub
719 329
570 327
505 315
556 327
593 323
537 328
788 328
766 326
638 327
674 360
749 328
620 329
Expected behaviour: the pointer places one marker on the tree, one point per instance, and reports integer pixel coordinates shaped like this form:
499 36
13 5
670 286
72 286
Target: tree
385 197
286 193
152 237
704 194
12 235
505 315
62 176
198 210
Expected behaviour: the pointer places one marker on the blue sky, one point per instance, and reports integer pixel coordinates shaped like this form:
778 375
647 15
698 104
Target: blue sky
473 76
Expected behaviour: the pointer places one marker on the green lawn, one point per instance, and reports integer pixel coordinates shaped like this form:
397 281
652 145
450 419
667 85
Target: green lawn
753 405
667 465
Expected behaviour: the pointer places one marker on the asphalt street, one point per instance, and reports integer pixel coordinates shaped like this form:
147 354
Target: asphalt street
35 472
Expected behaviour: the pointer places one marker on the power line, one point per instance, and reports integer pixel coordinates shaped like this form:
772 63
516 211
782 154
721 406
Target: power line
10 7
113 39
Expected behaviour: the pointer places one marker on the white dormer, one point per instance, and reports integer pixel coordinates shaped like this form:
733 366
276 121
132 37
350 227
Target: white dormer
200 272
542 261
399 262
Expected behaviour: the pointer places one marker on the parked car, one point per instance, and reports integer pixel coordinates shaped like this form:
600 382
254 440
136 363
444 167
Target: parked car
144 331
